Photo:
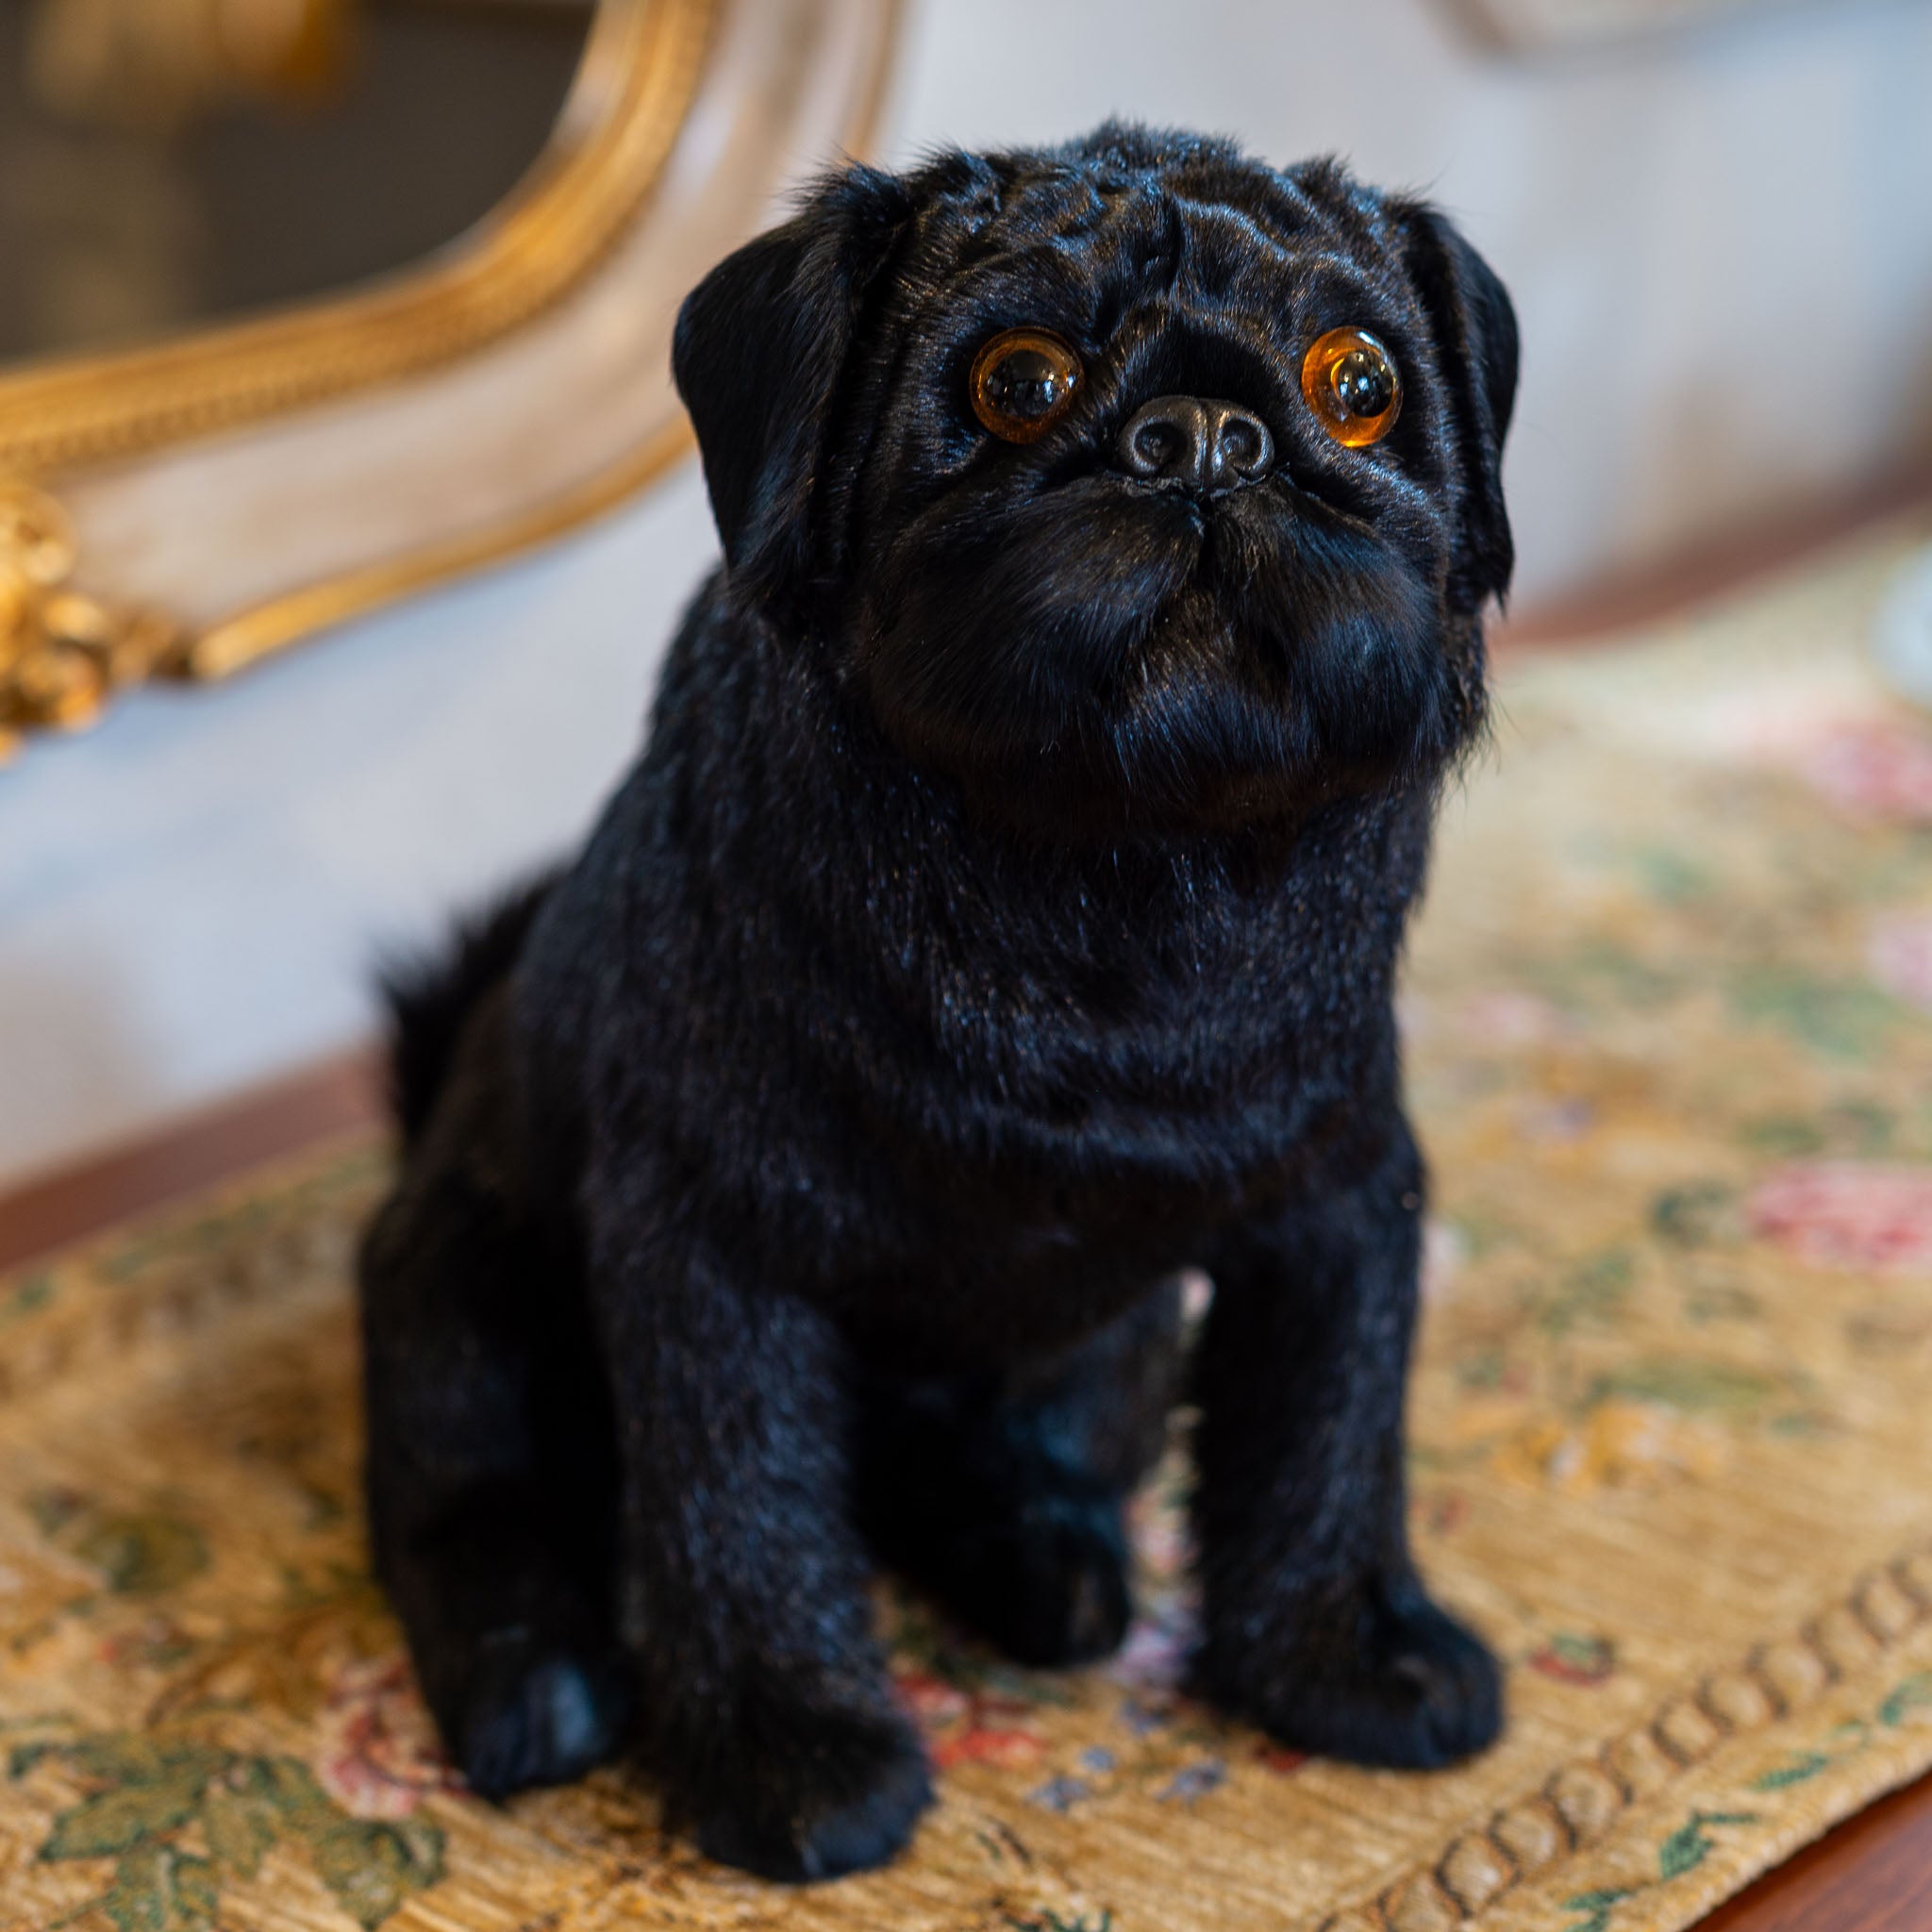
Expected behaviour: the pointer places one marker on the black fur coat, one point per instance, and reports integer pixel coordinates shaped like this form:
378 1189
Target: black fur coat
1004 916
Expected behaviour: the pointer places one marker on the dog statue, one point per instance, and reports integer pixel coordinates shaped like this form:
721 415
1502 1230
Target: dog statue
1003 917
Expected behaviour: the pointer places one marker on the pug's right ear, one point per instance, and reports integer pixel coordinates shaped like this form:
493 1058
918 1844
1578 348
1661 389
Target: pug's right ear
1474 325
759 348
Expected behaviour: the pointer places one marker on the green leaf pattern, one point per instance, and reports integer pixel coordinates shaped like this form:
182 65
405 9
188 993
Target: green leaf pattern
154 1792
1686 1848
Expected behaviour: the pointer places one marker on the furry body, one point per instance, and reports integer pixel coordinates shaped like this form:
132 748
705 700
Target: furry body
1003 916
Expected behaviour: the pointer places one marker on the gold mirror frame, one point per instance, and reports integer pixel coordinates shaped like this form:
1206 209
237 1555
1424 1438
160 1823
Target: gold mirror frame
186 509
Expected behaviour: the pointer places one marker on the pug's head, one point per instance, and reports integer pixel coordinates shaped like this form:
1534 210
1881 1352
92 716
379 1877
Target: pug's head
1130 483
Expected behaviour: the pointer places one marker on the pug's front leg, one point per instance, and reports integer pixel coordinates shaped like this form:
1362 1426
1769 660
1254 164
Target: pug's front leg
1316 1625
765 1703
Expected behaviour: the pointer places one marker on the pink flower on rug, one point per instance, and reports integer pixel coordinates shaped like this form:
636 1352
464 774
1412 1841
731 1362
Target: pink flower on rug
932 1700
1572 1659
1900 955
378 1754
1007 1749
1506 1018
1849 1214
966 1726
1873 767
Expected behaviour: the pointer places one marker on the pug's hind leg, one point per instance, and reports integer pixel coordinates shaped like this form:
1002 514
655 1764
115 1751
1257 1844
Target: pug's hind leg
1316 1625
492 1494
1005 1494
765 1703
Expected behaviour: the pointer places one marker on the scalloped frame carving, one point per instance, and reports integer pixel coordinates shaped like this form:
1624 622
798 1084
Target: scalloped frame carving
255 483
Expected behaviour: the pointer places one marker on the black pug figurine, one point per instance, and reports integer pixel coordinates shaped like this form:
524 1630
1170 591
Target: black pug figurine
1003 917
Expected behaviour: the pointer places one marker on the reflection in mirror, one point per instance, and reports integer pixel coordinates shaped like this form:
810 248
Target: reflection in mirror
164 162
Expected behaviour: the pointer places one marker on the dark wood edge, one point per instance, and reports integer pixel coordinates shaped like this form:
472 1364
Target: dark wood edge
191 1154
1870 1874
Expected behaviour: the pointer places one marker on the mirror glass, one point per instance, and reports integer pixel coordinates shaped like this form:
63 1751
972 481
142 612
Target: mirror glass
167 162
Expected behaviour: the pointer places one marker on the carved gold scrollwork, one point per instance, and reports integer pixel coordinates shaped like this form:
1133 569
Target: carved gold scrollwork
61 653
586 254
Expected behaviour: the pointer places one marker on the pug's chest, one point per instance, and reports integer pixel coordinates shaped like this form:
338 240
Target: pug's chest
1043 1228
1048 1096
1023 1206
1090 1141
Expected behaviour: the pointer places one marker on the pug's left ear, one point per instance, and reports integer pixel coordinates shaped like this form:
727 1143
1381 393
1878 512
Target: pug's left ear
758 354
1475 336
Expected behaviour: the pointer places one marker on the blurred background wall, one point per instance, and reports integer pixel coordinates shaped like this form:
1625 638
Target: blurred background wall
1720 243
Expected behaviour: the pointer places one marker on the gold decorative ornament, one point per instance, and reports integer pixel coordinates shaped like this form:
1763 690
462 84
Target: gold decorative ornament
61 652
265 479
640 70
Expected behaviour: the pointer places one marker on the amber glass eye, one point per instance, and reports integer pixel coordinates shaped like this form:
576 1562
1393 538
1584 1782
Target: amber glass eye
1351 384
1024 381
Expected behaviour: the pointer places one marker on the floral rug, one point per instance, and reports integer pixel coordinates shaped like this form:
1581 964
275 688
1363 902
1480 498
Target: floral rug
1670 1024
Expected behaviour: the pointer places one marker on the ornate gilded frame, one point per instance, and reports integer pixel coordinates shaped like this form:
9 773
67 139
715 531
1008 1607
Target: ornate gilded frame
186 509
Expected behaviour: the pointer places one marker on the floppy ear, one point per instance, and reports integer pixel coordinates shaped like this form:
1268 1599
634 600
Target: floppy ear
759 350
1476 334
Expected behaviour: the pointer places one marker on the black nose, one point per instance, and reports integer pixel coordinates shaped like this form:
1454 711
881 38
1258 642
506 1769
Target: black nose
1208 445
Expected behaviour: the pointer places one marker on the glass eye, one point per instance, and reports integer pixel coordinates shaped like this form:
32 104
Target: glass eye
1024 381
1350 382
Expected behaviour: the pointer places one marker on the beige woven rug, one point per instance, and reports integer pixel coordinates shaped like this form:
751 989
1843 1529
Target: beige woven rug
1670 1026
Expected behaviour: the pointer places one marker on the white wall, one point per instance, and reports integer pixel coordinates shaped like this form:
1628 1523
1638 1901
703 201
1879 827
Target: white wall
193 896
1720 247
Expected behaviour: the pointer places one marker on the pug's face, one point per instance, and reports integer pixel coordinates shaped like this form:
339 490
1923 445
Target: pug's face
1131 483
